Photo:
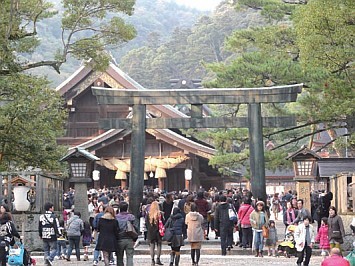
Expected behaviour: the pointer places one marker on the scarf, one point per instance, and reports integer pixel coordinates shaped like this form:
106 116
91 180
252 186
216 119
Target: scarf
290 213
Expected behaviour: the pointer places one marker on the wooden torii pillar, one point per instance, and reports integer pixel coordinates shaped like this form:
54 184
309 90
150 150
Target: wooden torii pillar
196 97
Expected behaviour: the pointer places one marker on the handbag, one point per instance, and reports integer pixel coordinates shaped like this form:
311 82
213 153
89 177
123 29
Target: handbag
232 215
265 231
161 226
336 235
169 231
131 231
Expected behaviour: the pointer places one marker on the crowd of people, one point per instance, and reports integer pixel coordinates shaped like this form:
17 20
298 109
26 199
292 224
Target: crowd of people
237 218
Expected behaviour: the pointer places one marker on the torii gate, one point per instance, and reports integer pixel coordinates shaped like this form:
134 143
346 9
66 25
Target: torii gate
196 97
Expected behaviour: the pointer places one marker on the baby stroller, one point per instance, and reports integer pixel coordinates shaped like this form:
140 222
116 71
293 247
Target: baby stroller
19 256
287 247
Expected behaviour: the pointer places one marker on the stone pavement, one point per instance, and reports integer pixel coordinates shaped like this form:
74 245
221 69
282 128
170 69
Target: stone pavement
240 260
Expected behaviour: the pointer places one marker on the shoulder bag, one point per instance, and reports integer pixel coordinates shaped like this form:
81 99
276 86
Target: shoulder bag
169 231
131 231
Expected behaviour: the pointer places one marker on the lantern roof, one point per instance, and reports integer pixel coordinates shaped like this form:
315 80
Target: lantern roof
21 180
303 152
80 152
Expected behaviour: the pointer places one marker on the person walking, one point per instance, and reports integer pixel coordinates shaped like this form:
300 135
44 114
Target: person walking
203 207
108 234
272 239
125 242
176 222
86 240
167 206
302 212
304 238
99 212
62 241
48 231
8 232
289 215
195 233
224 225
74 228
258 220
323 237
244 220
153 235
335 259
276 205
336 230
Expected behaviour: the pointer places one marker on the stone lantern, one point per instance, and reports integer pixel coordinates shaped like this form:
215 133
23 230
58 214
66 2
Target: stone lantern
80 165
305 168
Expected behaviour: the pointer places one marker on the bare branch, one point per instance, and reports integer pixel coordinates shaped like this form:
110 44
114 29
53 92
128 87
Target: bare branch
304 136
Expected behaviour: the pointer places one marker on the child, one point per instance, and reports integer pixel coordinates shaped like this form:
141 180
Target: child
322 237
62 241
87 238
272 239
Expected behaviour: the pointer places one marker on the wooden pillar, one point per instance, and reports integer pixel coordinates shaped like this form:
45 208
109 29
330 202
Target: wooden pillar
256 147
136 181
303 192
161 184
187 184
123 183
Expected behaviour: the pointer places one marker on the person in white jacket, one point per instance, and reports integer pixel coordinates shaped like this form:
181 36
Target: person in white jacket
304 237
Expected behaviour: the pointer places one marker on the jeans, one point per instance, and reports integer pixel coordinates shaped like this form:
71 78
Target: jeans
49 249
74 241
125 244
61 247
258 240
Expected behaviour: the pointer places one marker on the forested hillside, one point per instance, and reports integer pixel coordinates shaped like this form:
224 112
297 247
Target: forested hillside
186 52
154 21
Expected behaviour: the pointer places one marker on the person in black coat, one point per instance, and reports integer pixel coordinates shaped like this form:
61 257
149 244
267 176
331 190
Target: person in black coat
176 221
109 233
224 225
8 231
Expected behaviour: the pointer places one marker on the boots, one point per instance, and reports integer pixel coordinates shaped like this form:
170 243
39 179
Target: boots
172 258
153 262
177 259
158 262
261 253
257 253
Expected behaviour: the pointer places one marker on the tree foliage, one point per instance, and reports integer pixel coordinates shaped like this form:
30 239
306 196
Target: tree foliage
31 118
31 114
310 44
86 30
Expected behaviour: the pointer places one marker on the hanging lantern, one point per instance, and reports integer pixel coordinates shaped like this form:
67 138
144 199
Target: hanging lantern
188 174
96 175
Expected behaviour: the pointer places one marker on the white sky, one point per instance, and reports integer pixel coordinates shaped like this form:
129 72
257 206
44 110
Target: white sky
200 4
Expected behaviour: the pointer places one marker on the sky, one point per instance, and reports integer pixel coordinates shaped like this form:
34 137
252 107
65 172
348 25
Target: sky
200 4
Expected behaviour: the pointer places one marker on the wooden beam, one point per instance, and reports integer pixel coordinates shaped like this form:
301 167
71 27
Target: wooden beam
206 122
277 94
